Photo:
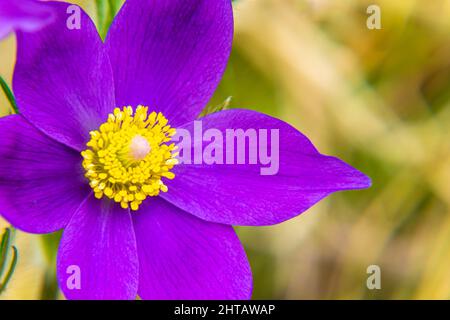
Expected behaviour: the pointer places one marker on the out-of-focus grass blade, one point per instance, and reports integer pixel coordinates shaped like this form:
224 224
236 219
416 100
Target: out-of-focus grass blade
106 11
4 250
9 95
113 8
251 89
50 243
12 267
216 108
101 17
5 247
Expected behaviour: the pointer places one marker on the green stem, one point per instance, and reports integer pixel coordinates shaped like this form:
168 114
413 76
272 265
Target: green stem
50 289
9 95
50 243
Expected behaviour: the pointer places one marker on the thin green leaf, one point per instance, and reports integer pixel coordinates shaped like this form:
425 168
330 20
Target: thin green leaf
216 108
106 11
12 267
6 238
9 95
110 17
101 12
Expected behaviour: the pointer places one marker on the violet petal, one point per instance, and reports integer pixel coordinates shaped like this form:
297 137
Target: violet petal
170 55
63 79
41 182
97 257
183 257
237 194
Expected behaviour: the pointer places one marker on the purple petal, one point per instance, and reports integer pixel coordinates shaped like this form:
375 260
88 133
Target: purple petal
25 15
63 79
170 54
41 183
97 257
183 257
240 195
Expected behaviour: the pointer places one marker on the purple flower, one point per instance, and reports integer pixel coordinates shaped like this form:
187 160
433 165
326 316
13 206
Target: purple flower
175 240
25 15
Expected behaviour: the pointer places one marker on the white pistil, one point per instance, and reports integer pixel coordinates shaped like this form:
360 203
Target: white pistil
139 147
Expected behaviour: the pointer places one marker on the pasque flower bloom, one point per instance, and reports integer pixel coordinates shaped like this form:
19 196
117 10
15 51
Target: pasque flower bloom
25 15
86 156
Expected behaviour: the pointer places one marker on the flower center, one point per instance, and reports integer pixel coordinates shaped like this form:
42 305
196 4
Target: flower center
128 156
139 148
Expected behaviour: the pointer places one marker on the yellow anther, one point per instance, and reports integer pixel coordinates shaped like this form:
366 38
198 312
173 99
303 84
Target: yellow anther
109 192
134 205
168 175
129 155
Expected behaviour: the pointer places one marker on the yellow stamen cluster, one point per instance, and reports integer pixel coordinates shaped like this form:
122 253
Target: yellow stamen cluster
129 155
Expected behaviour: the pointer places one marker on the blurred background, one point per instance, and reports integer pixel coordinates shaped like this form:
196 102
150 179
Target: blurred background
379 100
